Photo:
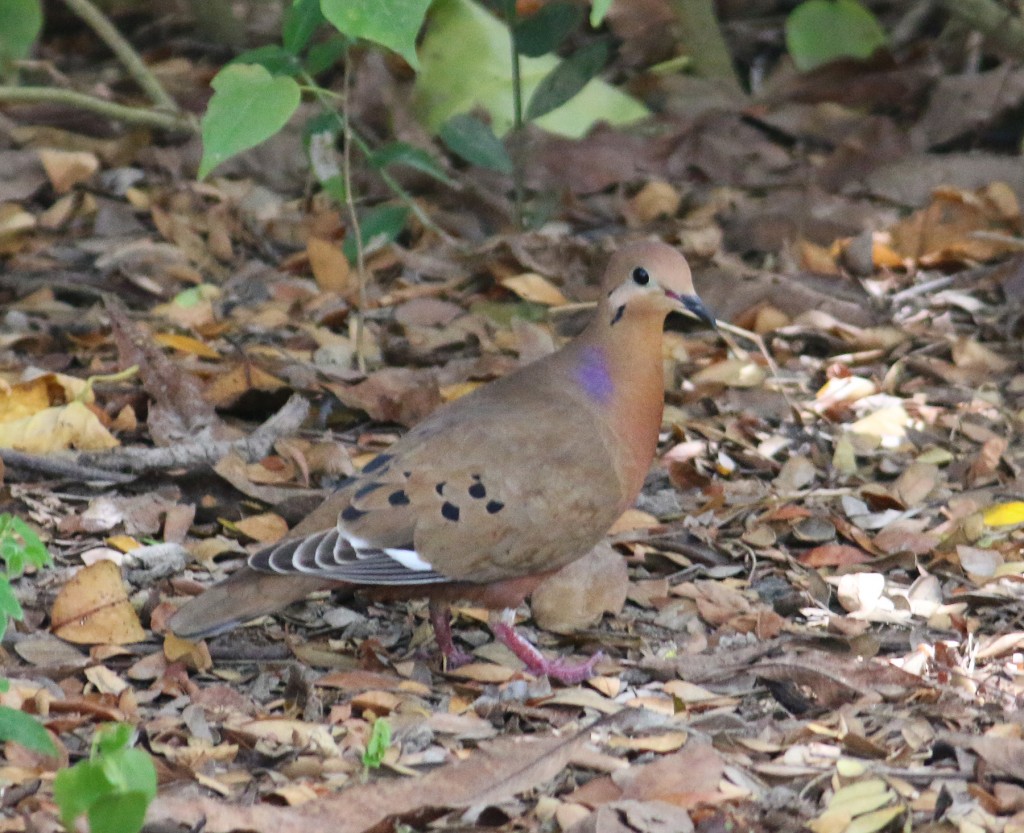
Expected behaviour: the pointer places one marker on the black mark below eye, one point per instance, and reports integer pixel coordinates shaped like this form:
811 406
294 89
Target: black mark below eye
399 498
450 511
618 314
350 513
640 276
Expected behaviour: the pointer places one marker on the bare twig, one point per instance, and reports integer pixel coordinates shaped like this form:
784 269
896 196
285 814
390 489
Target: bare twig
203 451
65 468
350 203
125 52
121 112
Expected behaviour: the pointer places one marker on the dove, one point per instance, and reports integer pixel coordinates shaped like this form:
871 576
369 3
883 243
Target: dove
495 491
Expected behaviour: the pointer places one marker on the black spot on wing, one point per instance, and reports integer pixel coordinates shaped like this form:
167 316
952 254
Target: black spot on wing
350 513
439 488
450 511
494 506
398 498
477 490
377 463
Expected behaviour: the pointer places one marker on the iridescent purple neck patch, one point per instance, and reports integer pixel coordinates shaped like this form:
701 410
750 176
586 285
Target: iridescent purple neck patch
593 375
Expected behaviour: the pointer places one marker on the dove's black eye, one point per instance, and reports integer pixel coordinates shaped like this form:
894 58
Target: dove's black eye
640 276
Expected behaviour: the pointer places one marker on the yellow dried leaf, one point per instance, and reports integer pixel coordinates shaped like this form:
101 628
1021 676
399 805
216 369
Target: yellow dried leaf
93 608
186 344
536 288
656 199
1005 514
57 429
65 169
265 528
888 424
226 389
733 373
330 267
14 219
195 655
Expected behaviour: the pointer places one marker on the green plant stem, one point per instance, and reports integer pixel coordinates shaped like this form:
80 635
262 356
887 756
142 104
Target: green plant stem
129 115
1000 25
125 53
346 175
324 98
517 115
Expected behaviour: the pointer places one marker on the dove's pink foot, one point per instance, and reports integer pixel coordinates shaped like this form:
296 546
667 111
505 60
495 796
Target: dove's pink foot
441 619
562 670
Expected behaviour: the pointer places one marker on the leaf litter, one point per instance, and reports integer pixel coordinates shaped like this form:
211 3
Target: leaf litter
813 617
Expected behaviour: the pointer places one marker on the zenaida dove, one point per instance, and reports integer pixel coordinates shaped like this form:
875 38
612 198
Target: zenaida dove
496 490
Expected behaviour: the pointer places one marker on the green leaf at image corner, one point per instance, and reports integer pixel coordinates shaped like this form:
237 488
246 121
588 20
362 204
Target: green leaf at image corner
22 22
820 31
24 729
470 139
248 106
390 23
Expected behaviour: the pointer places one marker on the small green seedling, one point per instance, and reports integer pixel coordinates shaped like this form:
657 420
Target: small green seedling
20 547
113 788
377 746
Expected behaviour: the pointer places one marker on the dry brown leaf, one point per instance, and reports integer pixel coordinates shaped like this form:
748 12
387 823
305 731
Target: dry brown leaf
497 771
331 268
536 288
579 594
93 608
66 169
266 528
227 388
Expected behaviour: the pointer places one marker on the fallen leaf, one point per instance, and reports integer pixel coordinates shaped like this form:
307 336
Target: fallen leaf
93 608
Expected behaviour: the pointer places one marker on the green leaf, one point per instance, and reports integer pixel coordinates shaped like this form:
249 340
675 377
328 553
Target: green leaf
326 54
111 738
401 153
273 58
24 729
381 225
542 31
567 79
470 139
598 9
119 813
9 605
76 789
113 788
377 745
391 23
467 65
33 547
248 106
300 22
820 31
22 22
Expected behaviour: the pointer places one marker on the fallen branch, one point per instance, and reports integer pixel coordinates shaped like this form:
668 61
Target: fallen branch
204 451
